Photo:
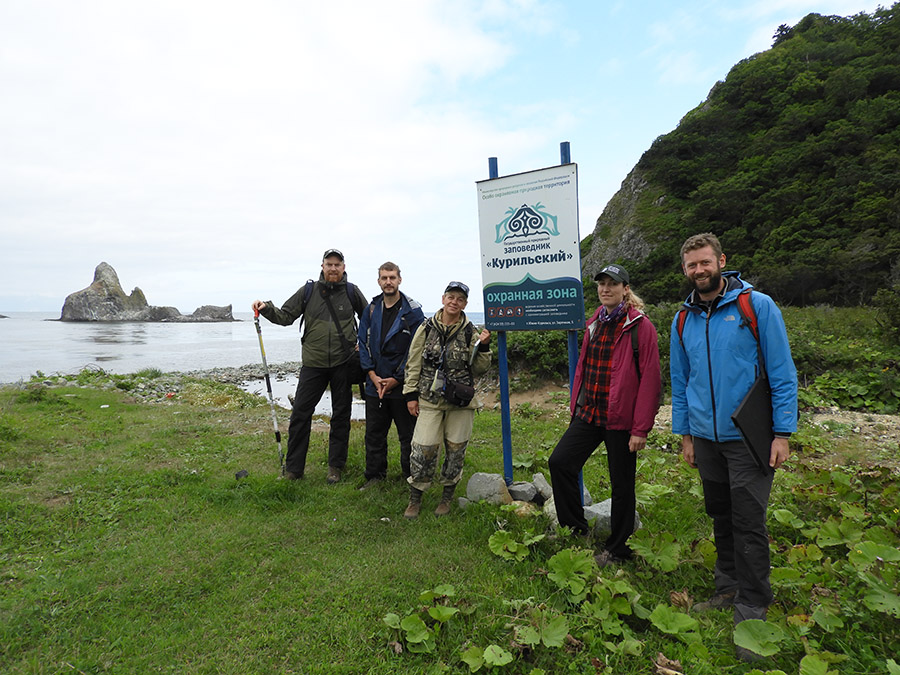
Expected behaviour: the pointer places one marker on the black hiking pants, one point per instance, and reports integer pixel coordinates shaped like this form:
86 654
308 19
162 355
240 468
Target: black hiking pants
311 386
572 451
380 412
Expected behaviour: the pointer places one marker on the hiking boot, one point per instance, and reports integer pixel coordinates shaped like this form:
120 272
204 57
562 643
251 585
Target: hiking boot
372 482
415 503
723 600
444 507
334 475
290 475
607 559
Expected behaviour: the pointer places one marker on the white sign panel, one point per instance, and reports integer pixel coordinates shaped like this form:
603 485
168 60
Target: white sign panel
530 256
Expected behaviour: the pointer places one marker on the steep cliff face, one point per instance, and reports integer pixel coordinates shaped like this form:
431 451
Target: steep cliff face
617 235
104 300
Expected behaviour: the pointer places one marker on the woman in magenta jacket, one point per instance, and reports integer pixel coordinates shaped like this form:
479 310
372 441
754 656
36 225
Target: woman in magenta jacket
615 399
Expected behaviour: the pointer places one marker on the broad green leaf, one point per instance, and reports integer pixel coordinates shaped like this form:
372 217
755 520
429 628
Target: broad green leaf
631 647
442 613
473 657
827 619
707 549
424 647
660 550
522 460
646 494
853 511
881 600
527 635
570 569
495 655
840 478
867 553
785 575
787 517
392 620
554 631
612 626
671 621
620 605
834 533
445 590
893 667
813 665
595 609
503 544
882 535
758 636
620 586
414 628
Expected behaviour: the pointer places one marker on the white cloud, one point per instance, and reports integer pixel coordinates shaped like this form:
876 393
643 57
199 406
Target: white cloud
210 151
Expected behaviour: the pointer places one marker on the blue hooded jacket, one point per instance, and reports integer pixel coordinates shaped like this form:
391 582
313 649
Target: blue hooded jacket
718 363
388 359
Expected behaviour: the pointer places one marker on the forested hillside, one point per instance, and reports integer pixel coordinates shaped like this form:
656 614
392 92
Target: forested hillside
793 160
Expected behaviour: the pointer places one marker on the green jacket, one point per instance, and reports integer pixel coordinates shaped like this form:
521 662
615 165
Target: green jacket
424 354
322 346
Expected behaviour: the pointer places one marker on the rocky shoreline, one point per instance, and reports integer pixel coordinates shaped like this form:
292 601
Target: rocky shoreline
150 386
240 374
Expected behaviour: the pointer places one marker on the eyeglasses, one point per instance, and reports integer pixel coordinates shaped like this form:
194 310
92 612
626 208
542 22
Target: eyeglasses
457 286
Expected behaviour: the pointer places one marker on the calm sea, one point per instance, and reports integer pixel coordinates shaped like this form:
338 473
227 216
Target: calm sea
33 341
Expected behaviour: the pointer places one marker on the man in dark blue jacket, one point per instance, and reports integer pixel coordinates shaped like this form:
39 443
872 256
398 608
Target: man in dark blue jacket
385 331
714 362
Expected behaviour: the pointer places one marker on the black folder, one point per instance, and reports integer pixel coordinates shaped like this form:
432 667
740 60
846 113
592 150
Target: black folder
753 418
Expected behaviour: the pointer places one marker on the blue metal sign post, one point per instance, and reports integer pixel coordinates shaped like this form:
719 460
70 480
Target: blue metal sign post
539 301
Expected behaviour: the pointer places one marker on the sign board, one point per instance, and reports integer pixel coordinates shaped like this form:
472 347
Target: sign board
530 255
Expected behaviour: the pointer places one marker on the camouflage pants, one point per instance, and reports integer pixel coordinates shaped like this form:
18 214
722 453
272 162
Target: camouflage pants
437 426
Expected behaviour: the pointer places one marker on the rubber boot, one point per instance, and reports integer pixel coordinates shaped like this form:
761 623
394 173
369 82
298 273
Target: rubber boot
444 507
415 503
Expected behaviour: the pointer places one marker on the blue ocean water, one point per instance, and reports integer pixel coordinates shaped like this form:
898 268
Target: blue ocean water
33 341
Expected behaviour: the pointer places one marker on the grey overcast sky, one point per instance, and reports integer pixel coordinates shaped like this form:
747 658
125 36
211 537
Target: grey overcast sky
211 151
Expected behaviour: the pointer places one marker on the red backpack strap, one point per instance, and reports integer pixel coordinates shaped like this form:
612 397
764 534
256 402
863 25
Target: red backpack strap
748 314
682 317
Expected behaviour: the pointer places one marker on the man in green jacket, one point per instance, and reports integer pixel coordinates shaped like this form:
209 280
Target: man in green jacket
328 307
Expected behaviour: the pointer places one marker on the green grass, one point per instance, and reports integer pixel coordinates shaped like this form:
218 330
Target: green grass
128 546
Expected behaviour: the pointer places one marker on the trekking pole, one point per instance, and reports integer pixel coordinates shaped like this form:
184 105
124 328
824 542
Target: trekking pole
262 351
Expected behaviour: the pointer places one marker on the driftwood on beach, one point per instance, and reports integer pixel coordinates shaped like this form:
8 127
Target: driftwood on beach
104 300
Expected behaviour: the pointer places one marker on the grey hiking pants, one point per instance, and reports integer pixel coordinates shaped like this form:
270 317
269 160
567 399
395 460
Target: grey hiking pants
736 494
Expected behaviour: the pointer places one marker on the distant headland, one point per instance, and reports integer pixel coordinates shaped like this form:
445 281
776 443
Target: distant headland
104 300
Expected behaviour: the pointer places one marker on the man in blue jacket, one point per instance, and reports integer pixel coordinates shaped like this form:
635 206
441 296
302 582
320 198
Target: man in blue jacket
385 331
714 363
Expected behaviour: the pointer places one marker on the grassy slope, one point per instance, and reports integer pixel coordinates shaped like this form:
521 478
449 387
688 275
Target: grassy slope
127 546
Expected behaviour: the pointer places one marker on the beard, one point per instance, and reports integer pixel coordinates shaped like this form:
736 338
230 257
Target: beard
713 283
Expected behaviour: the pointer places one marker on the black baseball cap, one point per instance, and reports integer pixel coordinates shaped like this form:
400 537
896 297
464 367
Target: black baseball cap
333 252
614 272
458 286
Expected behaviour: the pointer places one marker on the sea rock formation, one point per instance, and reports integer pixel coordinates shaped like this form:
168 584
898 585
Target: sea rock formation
104 300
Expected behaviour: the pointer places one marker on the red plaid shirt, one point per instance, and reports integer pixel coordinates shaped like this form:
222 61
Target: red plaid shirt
597 372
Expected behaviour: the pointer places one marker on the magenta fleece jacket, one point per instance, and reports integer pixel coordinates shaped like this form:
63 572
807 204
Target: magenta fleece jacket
633 403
